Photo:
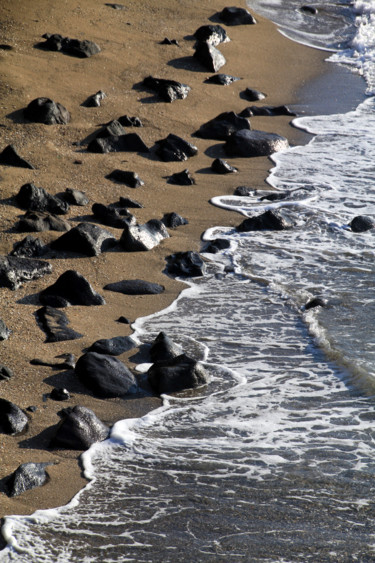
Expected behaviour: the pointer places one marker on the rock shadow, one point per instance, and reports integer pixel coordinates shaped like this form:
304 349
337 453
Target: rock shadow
215 151
17 116
187 63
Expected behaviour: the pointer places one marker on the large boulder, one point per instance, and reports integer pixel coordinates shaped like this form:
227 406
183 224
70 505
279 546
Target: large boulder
14 271
177 374
213 34
139 238
269 220
168 90
223 125
26 477
39 221
175 149
105 375
85 238
45 110
55 325
71 288
12 419
135 287
247 143
10 157
113 346
185 264
130 142
236 16
79 429
74 47
209 56
38 199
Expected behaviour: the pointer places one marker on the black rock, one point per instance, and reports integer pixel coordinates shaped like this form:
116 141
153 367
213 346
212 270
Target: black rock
112 129
167 41
175 149
54 324
39 221
135 287
215 246
174 220
177 374
185 264
247 143
221 166
5 372
94 101
123 320
126 177
113 346
315 302
74 47
183 178
168 90
269 220
85 238
105 375
266 111
361 224
244 191
112 216
128 202
276 196
10 157
309 10
209 56
213 34
236 16
222 79
29 247
26 477
4 331
74 288
74 197
38 199
131 142
59 394
223 125
163 348
45 110
12 419
79 429
14 271
5 47
253 95
139 238
127 121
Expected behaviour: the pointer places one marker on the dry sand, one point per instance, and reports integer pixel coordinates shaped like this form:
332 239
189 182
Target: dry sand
129 40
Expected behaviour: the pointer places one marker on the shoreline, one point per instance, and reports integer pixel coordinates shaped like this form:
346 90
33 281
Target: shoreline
52 151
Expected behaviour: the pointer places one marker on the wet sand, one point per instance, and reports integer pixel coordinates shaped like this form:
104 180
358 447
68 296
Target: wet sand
129 40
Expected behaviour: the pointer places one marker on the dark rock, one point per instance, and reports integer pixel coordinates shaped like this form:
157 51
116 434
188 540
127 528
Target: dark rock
253 95
247 143
131 142
214 34
276 196
185 264
94 101
79 429
269 220
26 477
59 394
10 157
123 320
183 178
31 409
361 224
113 346
177 374
112 129
244 191
309 10
222 79
167 41
45 110
127 121
215 246
14 271
236 16
116 6
73 47
223 125
126 177
175 149
12 419
221 166
209 56
105 375
163 348
128 202
29 247
139 238
54 324
85 238
74 288
135 287
5 47
174 220
38 199
111 216
39 221
5 372
168 90
74 197
266 111
4 331
315 302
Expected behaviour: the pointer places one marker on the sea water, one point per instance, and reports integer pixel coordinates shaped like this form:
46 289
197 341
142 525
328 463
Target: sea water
273 460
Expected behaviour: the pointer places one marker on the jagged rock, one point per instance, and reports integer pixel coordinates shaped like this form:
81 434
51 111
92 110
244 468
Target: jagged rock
315 302
137 238
185 264
10 157
26 477
112 216
247 143
183 178
45 110
74 197
223 125
12 419
54 323
130 179
174 220
105 375
79 429
59 394
38 199
74 47
128 202
175 149
361 224
163 348
135 287
222 80
253 95
266 110
14 271
113 346
269 220
209 56
244 191
29 247
94 101
39 221
177 374
4 331
167 41
131 142
113 128
85 238
5 372
214 34
73 288
127 121
236 16
215 246
168 90
221 166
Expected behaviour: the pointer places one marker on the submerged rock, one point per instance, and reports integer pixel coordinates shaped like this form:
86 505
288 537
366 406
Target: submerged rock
361 224
315 302
79 429
54 324
223 125
74 47
168 90
85 238
236 16
14 271
216 245
105 375
71 288
26 477
10 157
185 264
45 110
12 419
176 374
175 149
209 56
135 287
247 143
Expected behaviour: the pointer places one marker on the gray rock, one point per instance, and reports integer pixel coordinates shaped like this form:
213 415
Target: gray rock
135 287
12 419
247 143
5 372
209 56
79 429
45 110
55 325
74 289
168 90
38 199
39 221
177 374
105 375
236 16
185 264
213 34
4 331
14 271
10 157
26 477
139 238
113 128
85 238
113 346
253 95
223 125
175 149
131 142
29 247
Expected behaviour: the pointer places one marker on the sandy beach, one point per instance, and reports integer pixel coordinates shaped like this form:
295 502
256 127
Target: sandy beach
130 51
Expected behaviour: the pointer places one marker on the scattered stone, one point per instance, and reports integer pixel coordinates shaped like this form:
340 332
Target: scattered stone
26 477
85 238
73 47
163 348
5 47
127 121
39 221
112 129
116 6
74 197
168 90
38 199
135 287
105 375
315 302
215 246
5 372
236 16
222 79
221 166
209 56
79 429
123 320
183 178
59 394
185 264
174 220
139 238
31 409
12 419
4 331
309 10
112 216
94 101
361 223
128 202
269 220
10 157
177 374
68 362
175 149
29 247
113 346
247 143
14 271
243 191
223 125
54 324
213 34
74 289
253 95
266 111
167 41
45 110
130 179
131 142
